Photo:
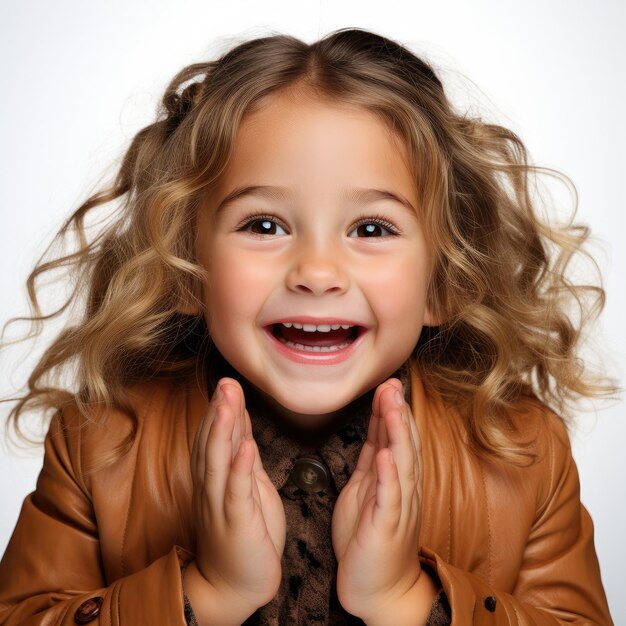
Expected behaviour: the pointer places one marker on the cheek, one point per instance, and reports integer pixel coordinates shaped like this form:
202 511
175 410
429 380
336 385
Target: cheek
237 286
397 290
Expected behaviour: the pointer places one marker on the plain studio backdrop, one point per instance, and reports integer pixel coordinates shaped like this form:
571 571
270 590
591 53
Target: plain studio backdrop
81 78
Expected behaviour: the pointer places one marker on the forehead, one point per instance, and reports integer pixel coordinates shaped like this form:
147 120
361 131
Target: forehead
315 146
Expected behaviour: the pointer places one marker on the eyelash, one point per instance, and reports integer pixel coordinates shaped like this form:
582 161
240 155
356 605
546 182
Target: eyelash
379 220
257 218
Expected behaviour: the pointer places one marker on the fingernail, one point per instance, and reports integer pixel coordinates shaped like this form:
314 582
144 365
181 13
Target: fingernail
398 398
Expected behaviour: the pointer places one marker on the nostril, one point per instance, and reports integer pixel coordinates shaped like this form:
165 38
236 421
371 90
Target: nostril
318 279
311 288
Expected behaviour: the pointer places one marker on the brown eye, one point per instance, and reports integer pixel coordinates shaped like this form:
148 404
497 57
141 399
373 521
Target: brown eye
262 226
369 230
373 228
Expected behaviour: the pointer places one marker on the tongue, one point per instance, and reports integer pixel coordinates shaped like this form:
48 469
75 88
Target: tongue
331 338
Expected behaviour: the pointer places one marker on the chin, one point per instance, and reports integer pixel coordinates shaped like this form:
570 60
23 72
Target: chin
313 405
317 410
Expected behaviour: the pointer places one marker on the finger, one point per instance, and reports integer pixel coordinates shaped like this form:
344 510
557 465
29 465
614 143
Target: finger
417 441
402 449
409 419
366 458
409 470
239 502
373 431
415 437
411 492
381 439
219 454
387 510
247 424
234 397
407 415
399 432
387 393
198 456
396 382
258 472
197 463
258 464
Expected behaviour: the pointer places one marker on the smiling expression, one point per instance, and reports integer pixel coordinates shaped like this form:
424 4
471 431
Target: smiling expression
327 239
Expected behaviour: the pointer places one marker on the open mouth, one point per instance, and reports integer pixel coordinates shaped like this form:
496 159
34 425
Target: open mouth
312 338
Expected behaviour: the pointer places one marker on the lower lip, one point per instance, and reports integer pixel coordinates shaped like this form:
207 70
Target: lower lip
315 358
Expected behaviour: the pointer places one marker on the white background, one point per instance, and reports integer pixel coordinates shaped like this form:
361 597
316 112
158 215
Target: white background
80 78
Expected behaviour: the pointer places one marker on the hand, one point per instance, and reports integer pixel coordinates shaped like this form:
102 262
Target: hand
239 516
377 517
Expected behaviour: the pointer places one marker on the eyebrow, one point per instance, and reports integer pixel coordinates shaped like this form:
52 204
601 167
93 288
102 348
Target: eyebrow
272 192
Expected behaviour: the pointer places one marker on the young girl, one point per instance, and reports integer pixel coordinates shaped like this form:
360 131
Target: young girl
320 370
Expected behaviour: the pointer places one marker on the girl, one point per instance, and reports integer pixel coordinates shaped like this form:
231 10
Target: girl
320 368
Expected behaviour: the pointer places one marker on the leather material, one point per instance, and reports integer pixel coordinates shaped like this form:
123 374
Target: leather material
515 540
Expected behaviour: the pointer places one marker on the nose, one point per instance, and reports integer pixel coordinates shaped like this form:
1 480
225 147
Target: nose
317 270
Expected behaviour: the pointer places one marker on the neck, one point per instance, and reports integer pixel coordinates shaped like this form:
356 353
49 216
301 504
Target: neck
307 430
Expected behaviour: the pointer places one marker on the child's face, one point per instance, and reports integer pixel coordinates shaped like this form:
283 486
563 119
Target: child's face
308 258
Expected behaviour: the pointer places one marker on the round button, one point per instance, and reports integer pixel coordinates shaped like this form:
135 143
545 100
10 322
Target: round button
88 610
490 603
310 474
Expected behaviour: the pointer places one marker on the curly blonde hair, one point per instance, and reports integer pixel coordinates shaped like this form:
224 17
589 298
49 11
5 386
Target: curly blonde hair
499 274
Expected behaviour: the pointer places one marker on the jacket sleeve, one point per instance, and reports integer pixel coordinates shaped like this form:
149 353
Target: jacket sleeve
51 571
559 582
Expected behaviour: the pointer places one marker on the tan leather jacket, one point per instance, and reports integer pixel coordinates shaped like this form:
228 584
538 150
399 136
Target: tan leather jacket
510 545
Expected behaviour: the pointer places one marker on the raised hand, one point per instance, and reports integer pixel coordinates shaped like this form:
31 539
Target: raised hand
239 516
377 517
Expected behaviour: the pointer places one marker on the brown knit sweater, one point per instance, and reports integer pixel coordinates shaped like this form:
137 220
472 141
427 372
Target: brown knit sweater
307 593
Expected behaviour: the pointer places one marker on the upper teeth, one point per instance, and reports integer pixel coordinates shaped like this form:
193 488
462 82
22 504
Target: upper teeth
311 328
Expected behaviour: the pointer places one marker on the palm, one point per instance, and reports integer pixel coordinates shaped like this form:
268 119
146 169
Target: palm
266 528
240 515
376 521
